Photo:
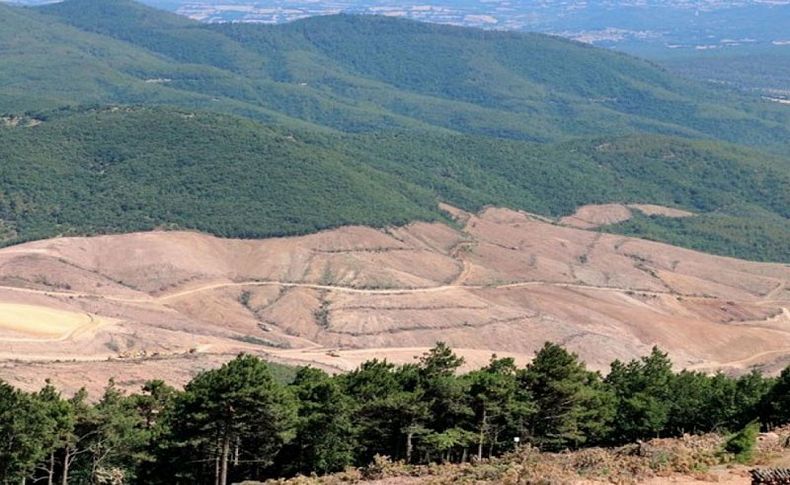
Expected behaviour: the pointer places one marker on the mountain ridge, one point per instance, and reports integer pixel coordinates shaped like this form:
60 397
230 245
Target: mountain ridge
541 82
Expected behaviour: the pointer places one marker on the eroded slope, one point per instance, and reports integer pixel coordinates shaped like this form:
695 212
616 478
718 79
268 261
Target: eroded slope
168 303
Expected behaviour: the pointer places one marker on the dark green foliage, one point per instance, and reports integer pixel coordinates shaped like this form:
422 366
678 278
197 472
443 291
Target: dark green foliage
761 68
742 443
115 170
501 407
230 422
372 73
569 406
237 422
390 410
643 389
103 171
761 236
325 433
25 430
775 406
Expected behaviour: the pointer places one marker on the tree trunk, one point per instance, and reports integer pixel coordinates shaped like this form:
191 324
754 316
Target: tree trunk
51 471
66 464
491 444
409 446
223 478
482 435
216 466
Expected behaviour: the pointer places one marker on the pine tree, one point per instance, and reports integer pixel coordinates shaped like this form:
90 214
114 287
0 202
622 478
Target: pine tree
389 408
325 435
775 406
60 414
232 419
570 402
643 390
24 434
497 403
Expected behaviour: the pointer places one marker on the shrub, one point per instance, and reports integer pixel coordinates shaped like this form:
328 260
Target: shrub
742 444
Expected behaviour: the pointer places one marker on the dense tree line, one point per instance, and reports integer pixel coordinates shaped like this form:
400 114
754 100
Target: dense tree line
240 422
102 170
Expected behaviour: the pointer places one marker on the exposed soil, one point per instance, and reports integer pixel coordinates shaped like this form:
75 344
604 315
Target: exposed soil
597 215
167 304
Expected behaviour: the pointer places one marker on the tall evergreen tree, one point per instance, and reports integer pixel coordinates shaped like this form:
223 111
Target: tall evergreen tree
571 405
325 435
498 403
60 413
389 408
643 390
231 421
25 429
775 406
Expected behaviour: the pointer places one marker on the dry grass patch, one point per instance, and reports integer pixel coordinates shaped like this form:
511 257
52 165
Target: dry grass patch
39 321
692 457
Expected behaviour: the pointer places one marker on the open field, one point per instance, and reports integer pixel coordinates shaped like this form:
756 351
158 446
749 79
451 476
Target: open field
167 304
39 322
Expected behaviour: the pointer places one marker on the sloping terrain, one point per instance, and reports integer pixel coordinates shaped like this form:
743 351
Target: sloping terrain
368 121
172 302
361 74
114 170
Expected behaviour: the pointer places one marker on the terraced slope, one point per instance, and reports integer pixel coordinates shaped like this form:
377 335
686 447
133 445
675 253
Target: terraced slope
167 303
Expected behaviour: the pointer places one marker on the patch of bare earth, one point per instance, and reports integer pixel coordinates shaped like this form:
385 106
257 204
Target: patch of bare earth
597 215
168 304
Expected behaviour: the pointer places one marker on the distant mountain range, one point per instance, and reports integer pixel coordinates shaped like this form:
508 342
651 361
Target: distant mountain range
629 24
123 110
626 24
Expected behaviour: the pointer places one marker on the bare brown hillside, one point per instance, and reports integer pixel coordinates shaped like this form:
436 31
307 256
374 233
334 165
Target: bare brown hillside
165 304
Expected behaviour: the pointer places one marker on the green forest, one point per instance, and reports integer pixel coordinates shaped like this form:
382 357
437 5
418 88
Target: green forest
117 117
111 170
242 422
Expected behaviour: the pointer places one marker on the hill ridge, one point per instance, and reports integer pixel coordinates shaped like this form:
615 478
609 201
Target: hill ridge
343 295
537 83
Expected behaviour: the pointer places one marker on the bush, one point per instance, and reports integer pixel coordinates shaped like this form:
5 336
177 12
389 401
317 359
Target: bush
742 444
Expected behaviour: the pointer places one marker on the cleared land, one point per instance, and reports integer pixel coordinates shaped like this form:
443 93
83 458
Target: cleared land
597 215
166 304
40 322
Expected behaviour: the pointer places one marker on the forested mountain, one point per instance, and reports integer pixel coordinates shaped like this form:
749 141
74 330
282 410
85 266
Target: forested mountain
381 117
118 170
369 73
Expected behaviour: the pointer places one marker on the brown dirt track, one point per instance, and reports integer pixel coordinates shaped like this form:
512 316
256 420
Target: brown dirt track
166 304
